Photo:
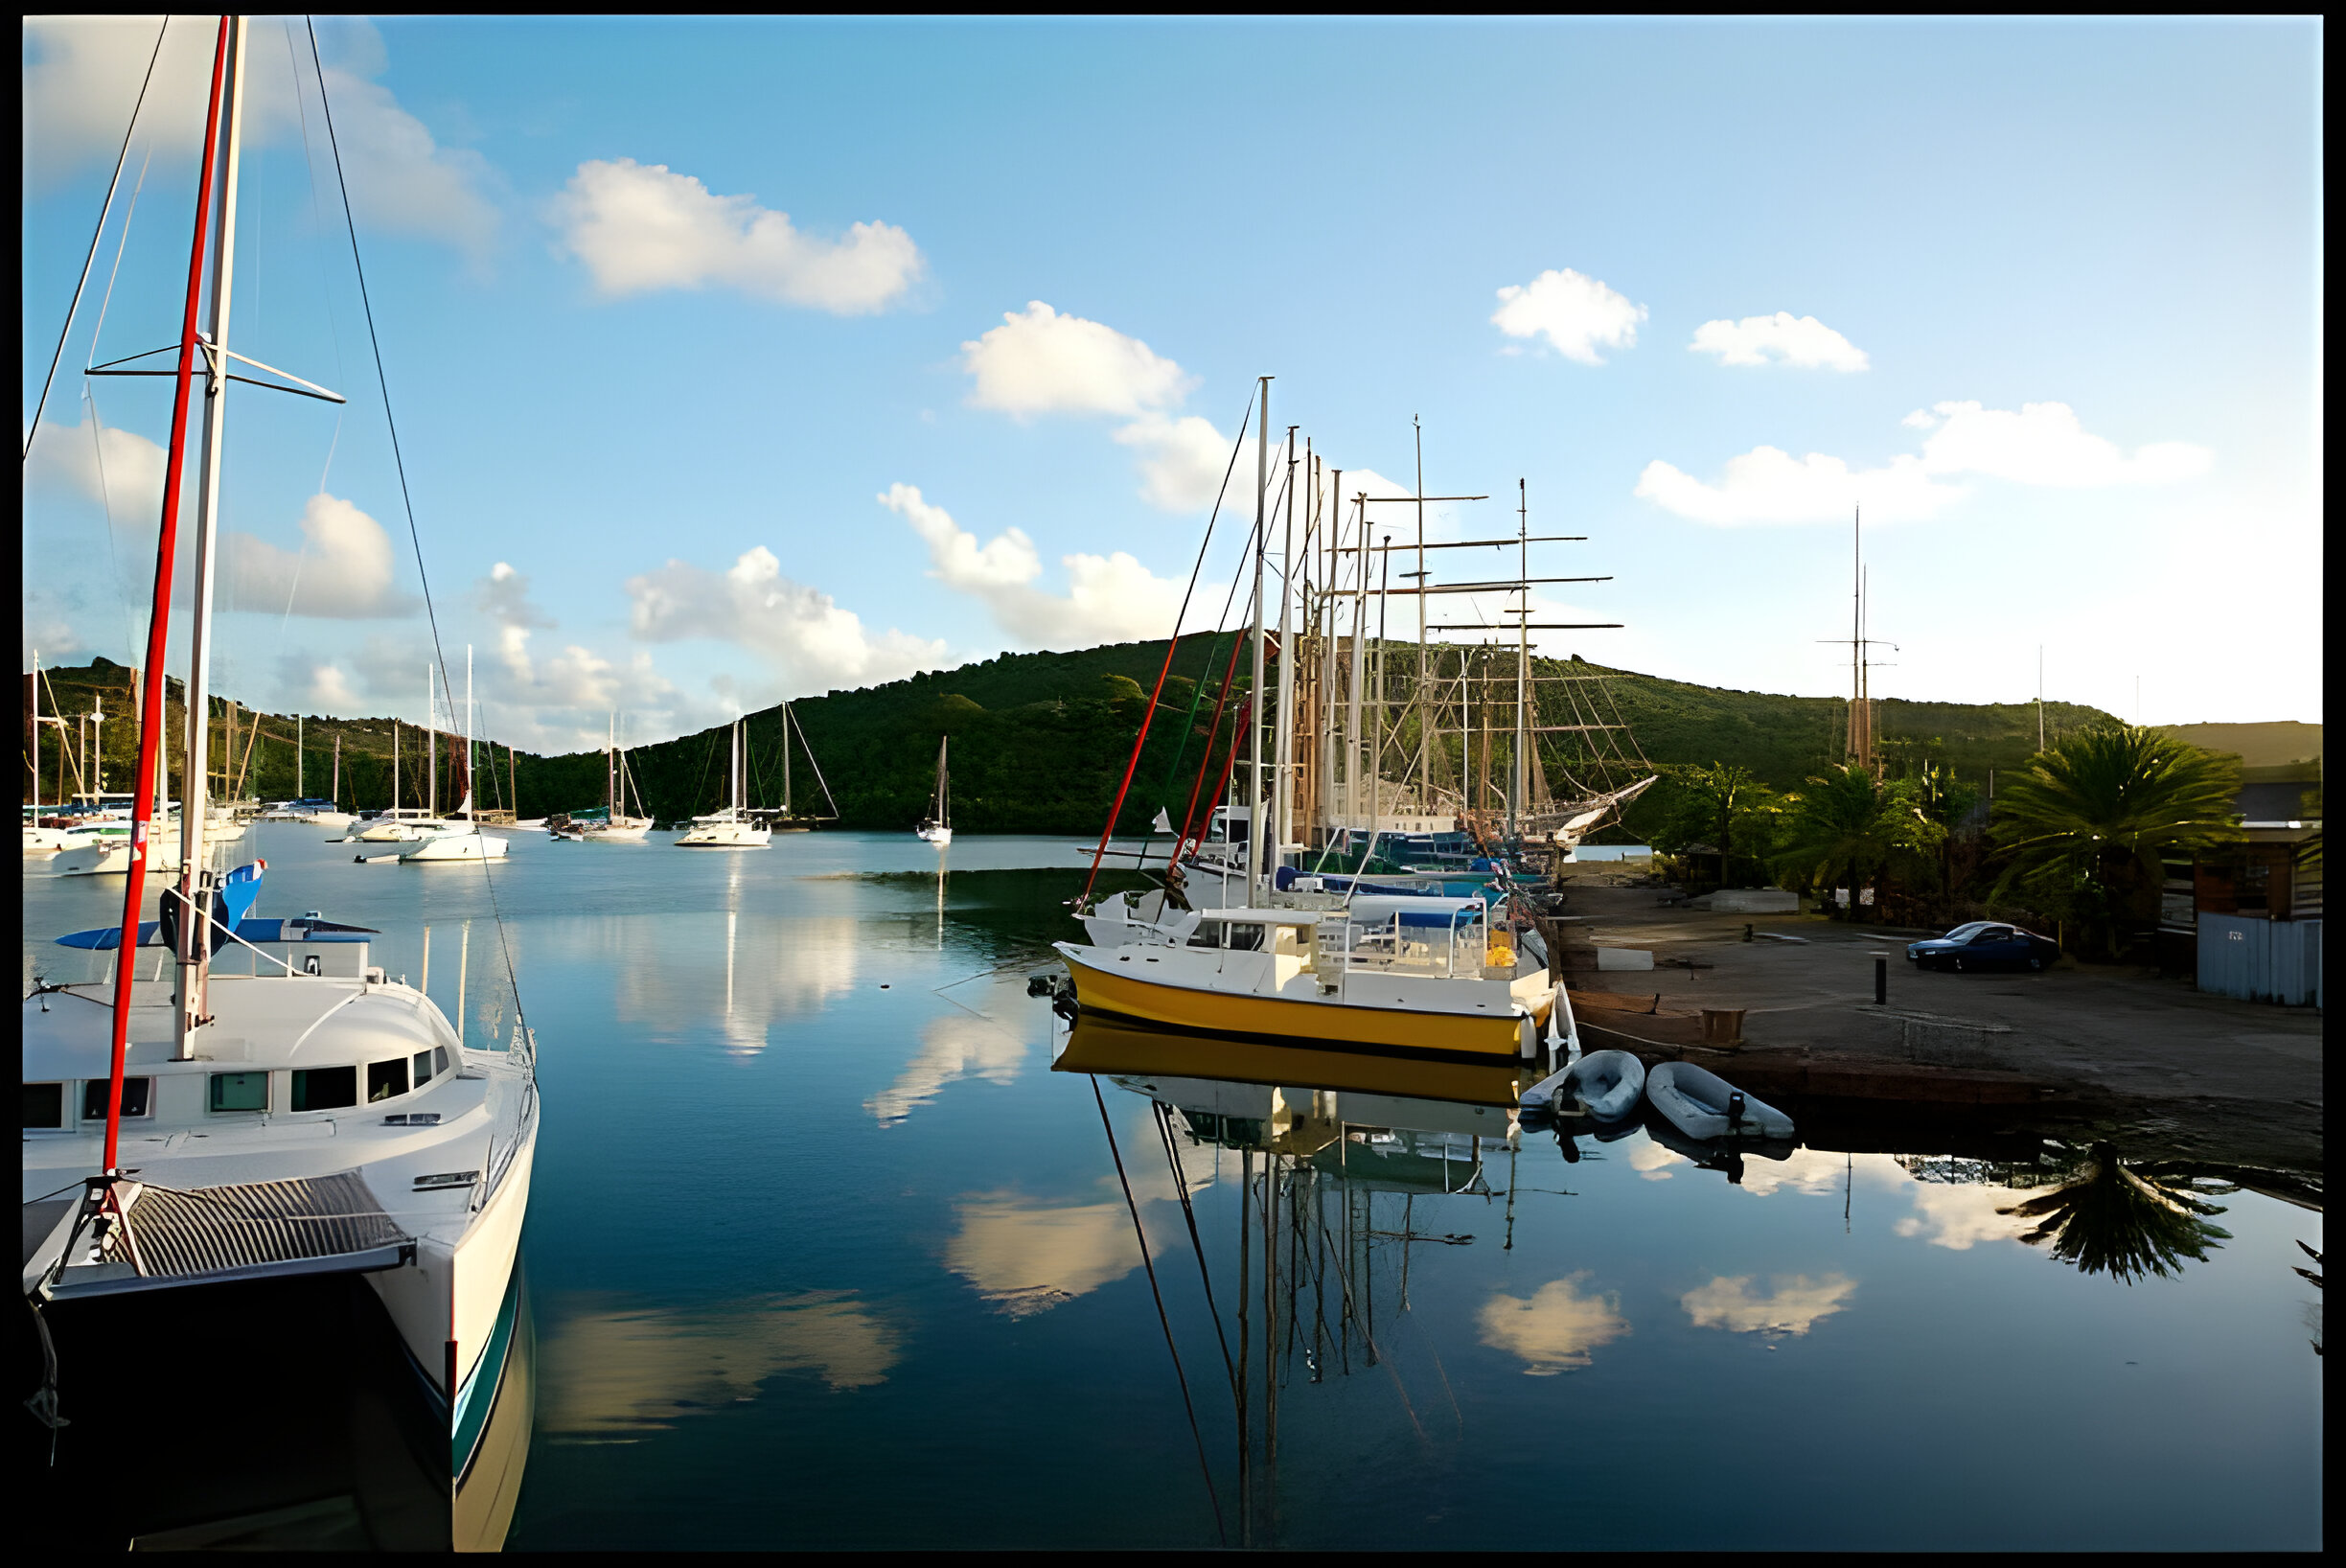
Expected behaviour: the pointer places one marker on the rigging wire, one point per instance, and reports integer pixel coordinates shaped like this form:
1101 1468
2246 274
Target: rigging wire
1142 739
521 1034
113 183
1180 1183
1167 1322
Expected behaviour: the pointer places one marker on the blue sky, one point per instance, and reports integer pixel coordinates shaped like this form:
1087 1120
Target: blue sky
735 360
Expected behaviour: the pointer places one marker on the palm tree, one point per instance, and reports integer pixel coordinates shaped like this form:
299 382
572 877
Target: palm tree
2125 1223
1848 820
2088 823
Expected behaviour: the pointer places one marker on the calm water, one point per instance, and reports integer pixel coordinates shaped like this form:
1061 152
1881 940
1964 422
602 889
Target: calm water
824 1253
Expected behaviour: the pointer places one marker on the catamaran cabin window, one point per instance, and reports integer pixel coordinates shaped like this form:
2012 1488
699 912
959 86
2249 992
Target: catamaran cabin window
137 1097
422 1067
44 1105
440 1059
239 1091
325 1088
385 1079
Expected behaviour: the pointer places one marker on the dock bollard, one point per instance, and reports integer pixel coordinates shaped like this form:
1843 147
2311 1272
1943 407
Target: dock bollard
1881 980
1747 926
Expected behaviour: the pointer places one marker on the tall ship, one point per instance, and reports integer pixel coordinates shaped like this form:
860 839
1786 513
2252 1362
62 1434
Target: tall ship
261 1174
1353 859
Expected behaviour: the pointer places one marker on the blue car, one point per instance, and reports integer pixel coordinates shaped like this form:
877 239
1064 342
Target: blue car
1984 944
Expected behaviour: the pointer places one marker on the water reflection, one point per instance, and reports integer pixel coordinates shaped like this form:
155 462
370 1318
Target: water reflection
613 1374
1791 1304
757 973
1555 1330
955 1047
1026 1256
2105 1218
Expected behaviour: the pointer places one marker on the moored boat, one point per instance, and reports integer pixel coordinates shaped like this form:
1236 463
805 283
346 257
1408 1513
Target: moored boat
1704 1106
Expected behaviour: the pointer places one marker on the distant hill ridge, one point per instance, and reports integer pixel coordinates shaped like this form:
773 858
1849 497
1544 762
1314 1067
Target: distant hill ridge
1038 741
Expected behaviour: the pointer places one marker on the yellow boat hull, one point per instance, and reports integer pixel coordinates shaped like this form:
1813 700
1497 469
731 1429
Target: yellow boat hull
1348 1025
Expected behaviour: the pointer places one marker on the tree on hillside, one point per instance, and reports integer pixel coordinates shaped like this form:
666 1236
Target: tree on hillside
2088 823
1848 822
1725 804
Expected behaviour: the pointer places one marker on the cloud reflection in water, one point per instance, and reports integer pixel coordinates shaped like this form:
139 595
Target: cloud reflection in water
615 1376
953 1048
1794 1304
1557 1328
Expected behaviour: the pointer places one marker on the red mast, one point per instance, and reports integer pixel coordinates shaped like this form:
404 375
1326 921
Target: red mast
158 625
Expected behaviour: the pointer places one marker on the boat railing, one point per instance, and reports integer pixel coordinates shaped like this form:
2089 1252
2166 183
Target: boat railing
1382 946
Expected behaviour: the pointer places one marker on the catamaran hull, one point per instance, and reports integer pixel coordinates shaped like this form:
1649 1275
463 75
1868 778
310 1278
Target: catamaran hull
1108 985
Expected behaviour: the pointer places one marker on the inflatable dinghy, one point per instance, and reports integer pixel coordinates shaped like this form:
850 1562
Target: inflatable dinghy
1608 1082
1705 1107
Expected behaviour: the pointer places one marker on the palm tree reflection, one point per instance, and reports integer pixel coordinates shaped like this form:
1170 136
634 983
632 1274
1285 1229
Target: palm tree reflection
2105 1217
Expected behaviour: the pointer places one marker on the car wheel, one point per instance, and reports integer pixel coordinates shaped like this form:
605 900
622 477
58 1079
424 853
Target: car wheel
2036 963
1959 969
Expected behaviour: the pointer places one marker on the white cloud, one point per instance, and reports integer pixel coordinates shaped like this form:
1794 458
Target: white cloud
1576 314
1038 361
400 179
1182 462
309 684
83 75
1768 484
2042 444
120 470
1109 598
1555 1330
49 635
1793 1306
811 641
1802 341
641 228
343 570
1026 1256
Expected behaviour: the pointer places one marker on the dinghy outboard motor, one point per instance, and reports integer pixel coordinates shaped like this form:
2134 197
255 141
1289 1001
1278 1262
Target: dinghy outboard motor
1735 1108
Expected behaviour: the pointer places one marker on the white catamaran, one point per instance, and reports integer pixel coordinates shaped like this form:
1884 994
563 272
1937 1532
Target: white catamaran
187 1124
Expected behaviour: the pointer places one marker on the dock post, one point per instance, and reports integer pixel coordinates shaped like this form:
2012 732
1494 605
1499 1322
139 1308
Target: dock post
1881 980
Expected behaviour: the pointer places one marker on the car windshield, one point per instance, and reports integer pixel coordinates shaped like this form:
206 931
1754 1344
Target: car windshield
1961 931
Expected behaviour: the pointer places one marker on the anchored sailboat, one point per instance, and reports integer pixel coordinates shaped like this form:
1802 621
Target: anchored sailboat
188 1126
937 826
733 827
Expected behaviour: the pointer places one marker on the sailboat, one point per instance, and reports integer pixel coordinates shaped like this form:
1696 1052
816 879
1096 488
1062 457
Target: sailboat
937 826
1406 969
460 838
187 1125
791 820
732 827
609 822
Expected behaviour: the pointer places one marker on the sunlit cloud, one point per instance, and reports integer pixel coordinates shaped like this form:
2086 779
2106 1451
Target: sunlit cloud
1575 313
1801 341
640 228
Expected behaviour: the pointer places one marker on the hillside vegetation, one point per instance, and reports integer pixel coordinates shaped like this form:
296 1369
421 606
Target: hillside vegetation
1039 742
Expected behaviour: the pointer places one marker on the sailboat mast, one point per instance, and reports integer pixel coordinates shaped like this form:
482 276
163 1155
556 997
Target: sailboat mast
1282 795
472 806
37 737
301 789
786 775
610 781
194 956
1254 715
337 771
158 621
431 752
1519 783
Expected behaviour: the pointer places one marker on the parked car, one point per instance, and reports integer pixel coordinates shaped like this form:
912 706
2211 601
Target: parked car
1984 944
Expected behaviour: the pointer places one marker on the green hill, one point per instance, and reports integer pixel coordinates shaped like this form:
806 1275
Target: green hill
1038 741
